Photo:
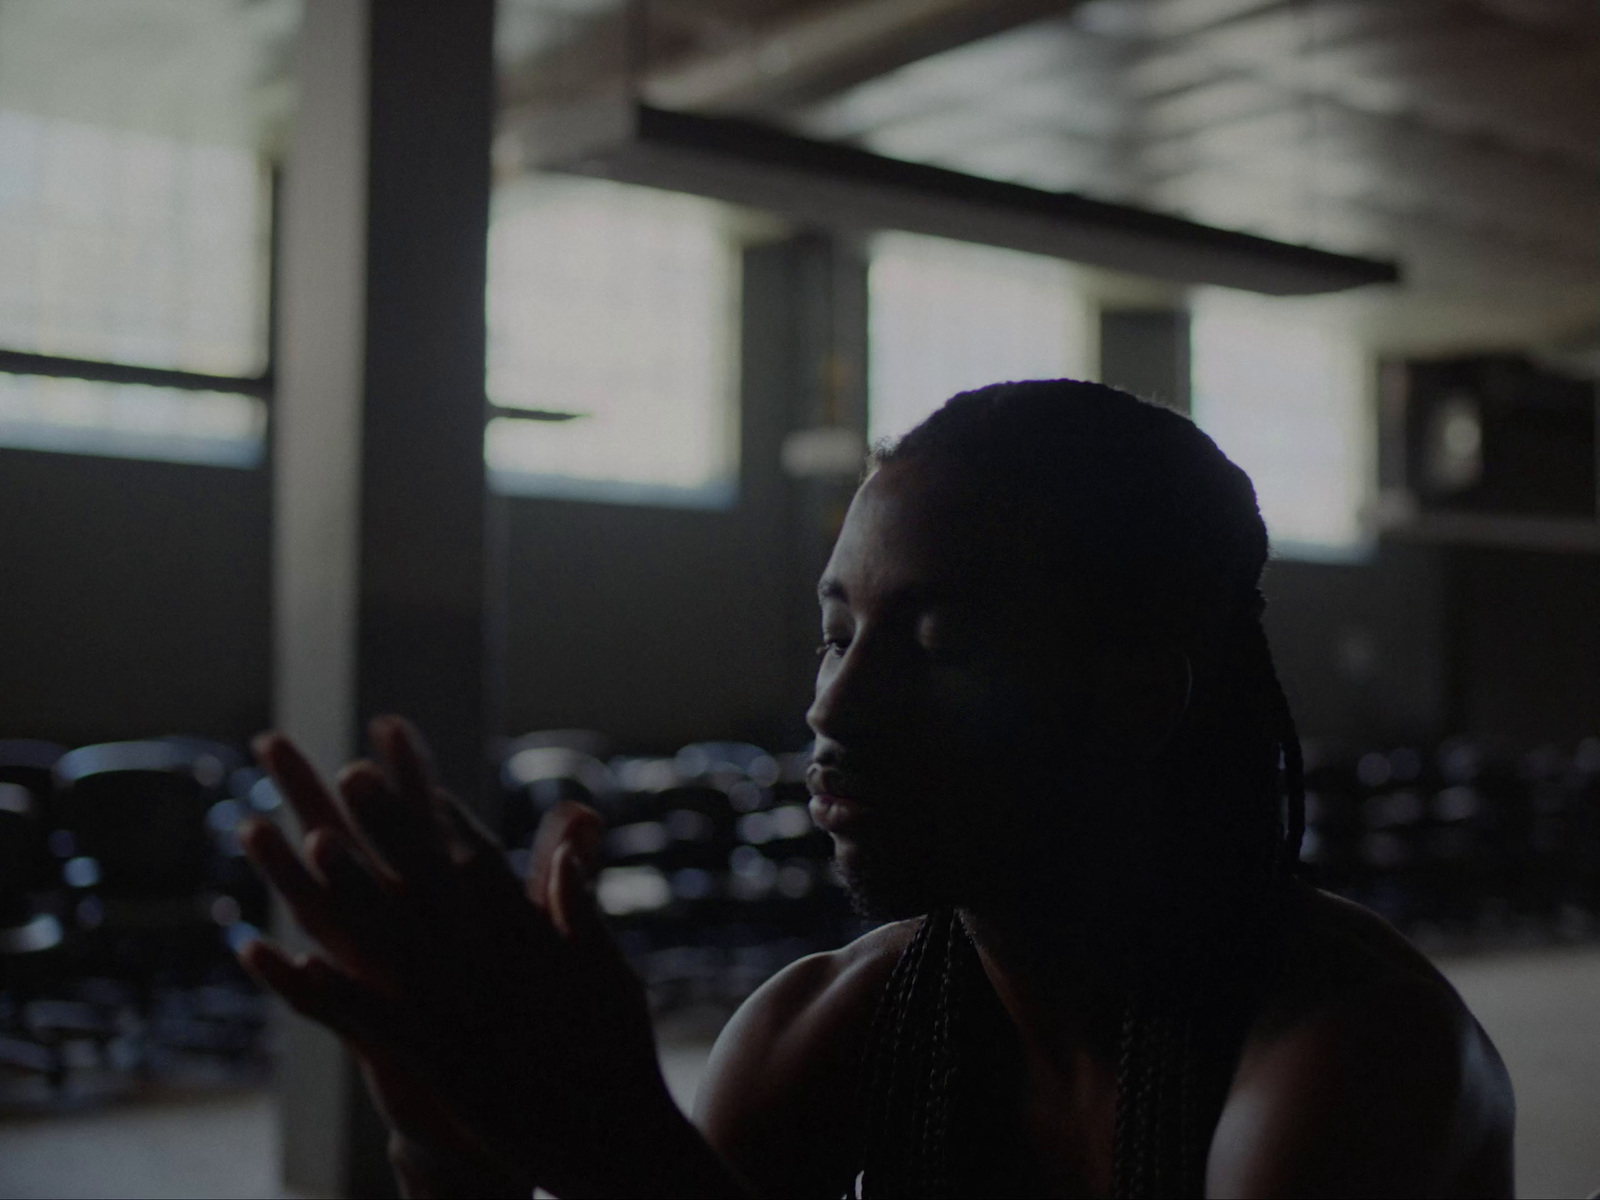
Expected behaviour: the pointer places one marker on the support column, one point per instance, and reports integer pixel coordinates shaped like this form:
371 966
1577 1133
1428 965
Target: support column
808 295
380 554
1146 351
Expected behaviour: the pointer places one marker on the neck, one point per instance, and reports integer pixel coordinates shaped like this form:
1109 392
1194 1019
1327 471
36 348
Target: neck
1061 985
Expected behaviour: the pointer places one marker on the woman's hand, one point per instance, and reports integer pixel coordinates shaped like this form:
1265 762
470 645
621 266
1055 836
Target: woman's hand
494 1018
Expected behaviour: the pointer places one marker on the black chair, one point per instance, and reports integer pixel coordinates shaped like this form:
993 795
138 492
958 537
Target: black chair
27 764
138 810
31 942
149 910
537 776
33 953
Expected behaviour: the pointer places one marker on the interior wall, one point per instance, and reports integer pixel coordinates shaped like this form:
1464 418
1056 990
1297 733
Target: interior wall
1362 648
133 598
1525 628
134 601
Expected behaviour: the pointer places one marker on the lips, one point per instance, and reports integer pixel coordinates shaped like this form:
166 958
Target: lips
836 814
836 803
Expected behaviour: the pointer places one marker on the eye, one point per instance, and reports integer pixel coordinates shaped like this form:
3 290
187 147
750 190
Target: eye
832 645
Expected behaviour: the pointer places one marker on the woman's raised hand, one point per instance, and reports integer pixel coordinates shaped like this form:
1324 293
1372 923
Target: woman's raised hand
495 1017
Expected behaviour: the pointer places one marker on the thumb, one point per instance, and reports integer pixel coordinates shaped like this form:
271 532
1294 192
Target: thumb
575 826
571 905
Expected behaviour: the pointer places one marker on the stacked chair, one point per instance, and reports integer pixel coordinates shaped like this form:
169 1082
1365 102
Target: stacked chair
1472 840
31 934
713 875
121 884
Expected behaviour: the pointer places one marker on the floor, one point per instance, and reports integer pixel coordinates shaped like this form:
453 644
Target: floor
1542 1010
1541 1007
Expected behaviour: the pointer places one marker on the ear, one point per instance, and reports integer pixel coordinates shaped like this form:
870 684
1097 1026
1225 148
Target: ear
1141 694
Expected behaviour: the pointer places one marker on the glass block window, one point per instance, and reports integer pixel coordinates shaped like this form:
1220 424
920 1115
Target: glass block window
135 224
613 316
1284 389
130 247
129 420
948 316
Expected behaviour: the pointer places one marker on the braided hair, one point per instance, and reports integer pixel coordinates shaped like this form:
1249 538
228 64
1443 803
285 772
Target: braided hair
1164 540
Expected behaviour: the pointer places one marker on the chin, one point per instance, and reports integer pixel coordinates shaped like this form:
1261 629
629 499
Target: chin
893 885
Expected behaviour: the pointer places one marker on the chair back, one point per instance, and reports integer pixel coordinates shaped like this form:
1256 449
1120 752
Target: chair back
536 778
139 809
26 815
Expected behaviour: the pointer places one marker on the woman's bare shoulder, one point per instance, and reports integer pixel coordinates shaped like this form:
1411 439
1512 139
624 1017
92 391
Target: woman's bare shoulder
778 1099
1364 1068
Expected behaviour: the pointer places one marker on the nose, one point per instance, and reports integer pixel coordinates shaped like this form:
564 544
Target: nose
850 696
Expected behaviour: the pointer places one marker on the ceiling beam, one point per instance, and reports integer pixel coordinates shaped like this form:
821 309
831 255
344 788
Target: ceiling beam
820 53
825 183
813 51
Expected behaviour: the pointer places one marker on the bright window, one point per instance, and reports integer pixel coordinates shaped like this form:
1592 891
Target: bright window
949 316
130 247
130 420
135 220
613 317
1282 388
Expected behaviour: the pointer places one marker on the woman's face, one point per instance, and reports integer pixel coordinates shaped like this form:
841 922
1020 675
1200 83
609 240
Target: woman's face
951 703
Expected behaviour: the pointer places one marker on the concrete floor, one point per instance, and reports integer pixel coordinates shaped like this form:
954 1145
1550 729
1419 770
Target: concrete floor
1542 1008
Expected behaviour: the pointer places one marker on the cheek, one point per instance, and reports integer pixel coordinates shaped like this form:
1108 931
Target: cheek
981 715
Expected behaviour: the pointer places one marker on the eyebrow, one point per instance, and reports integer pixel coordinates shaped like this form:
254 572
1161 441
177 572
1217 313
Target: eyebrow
944 592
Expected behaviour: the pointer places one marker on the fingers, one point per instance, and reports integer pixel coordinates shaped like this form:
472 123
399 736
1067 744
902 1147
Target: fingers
315 989
405 835
353 889
266 847
568 823
339 912
406 756
299 782
470 838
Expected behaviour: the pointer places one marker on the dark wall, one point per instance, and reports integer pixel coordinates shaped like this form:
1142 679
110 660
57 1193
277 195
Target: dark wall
1525 632
134 601
1362 648
653 625
1428 640
133 598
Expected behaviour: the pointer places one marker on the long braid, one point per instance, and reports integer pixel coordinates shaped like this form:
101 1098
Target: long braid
914 1077
1181 557
1177 1040
1294 769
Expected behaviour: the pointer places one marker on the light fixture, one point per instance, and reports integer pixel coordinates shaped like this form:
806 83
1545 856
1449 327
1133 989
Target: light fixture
844 186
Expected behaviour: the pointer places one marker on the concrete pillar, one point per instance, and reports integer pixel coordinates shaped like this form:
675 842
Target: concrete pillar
380 555
1146 351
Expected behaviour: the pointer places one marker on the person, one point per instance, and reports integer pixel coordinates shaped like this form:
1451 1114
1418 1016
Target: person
1053 755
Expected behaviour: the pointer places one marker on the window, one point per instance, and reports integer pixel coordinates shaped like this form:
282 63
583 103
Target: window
611 359
1282 388
948 316
134 227
130 420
